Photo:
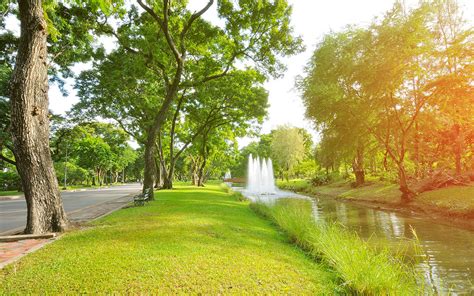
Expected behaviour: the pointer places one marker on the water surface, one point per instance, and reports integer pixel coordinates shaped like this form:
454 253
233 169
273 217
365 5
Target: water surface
448 261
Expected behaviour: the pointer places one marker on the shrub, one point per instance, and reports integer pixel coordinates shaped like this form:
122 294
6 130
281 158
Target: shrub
10 180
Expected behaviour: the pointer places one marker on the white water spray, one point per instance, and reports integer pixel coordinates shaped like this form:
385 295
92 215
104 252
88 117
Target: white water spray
260 179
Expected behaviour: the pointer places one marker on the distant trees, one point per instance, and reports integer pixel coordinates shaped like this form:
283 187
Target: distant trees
95 152
389 90
288 148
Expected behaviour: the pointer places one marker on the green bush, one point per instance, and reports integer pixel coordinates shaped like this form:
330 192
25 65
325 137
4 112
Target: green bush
75 174
361 268
9 180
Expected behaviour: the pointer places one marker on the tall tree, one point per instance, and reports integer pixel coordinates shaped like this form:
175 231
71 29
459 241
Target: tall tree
256 33
30 123
29 96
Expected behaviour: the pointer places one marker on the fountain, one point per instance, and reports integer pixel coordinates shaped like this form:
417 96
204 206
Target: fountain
227 175
260 179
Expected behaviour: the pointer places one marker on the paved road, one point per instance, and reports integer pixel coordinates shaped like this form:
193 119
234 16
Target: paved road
13 212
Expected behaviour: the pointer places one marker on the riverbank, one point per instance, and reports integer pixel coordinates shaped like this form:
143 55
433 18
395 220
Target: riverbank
189 241
363 268
452 205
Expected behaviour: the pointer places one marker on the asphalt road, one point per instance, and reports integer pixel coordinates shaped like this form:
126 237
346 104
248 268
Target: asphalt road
13 212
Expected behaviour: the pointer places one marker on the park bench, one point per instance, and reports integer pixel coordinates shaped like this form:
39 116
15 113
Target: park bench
142 198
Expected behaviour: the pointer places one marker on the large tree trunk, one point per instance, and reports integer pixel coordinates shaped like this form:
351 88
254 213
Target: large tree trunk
30 124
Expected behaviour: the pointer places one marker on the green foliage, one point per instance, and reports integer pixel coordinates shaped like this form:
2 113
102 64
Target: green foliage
9 180
94 153
288 148
89 148
75 173
362 269
384 97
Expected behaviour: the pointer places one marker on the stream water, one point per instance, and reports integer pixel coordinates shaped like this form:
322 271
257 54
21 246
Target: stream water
448 263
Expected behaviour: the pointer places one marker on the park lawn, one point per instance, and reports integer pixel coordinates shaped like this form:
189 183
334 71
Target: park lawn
189 241
10 193
453 199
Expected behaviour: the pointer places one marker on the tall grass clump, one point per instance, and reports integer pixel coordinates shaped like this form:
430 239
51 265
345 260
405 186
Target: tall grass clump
361 268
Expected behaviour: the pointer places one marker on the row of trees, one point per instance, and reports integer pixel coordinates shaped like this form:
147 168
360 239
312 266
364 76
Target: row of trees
88 153
177 83
174 80
397 95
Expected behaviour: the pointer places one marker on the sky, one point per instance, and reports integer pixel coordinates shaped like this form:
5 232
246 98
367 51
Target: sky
311 19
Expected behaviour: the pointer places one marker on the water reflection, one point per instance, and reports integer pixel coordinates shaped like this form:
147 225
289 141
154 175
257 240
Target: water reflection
447 251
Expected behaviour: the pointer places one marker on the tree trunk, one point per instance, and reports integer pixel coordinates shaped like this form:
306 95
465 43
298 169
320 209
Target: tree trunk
416 148
30 124
358 166
407 194
149 172
158 174
168 178
200 177
98 178
457 148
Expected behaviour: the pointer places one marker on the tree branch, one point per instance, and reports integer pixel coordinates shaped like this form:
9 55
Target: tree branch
6 159
188 25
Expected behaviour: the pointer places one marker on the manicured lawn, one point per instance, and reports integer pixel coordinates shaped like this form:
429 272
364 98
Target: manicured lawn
188 241
10 193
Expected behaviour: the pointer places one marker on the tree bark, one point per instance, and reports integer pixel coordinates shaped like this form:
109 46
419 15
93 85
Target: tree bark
30 124
168 178
149 171
358 166
158 174
457 148
407 194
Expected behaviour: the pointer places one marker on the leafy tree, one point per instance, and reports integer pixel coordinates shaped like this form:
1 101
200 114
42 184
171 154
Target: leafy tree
177 50
388 90
94 154
29 106
288 148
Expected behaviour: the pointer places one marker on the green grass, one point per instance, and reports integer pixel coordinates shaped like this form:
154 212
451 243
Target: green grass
454 199
70 187
459 199
10 193
189 241
361 268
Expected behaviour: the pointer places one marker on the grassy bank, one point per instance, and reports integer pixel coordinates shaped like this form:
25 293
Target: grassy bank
362 269
458 200
188 241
